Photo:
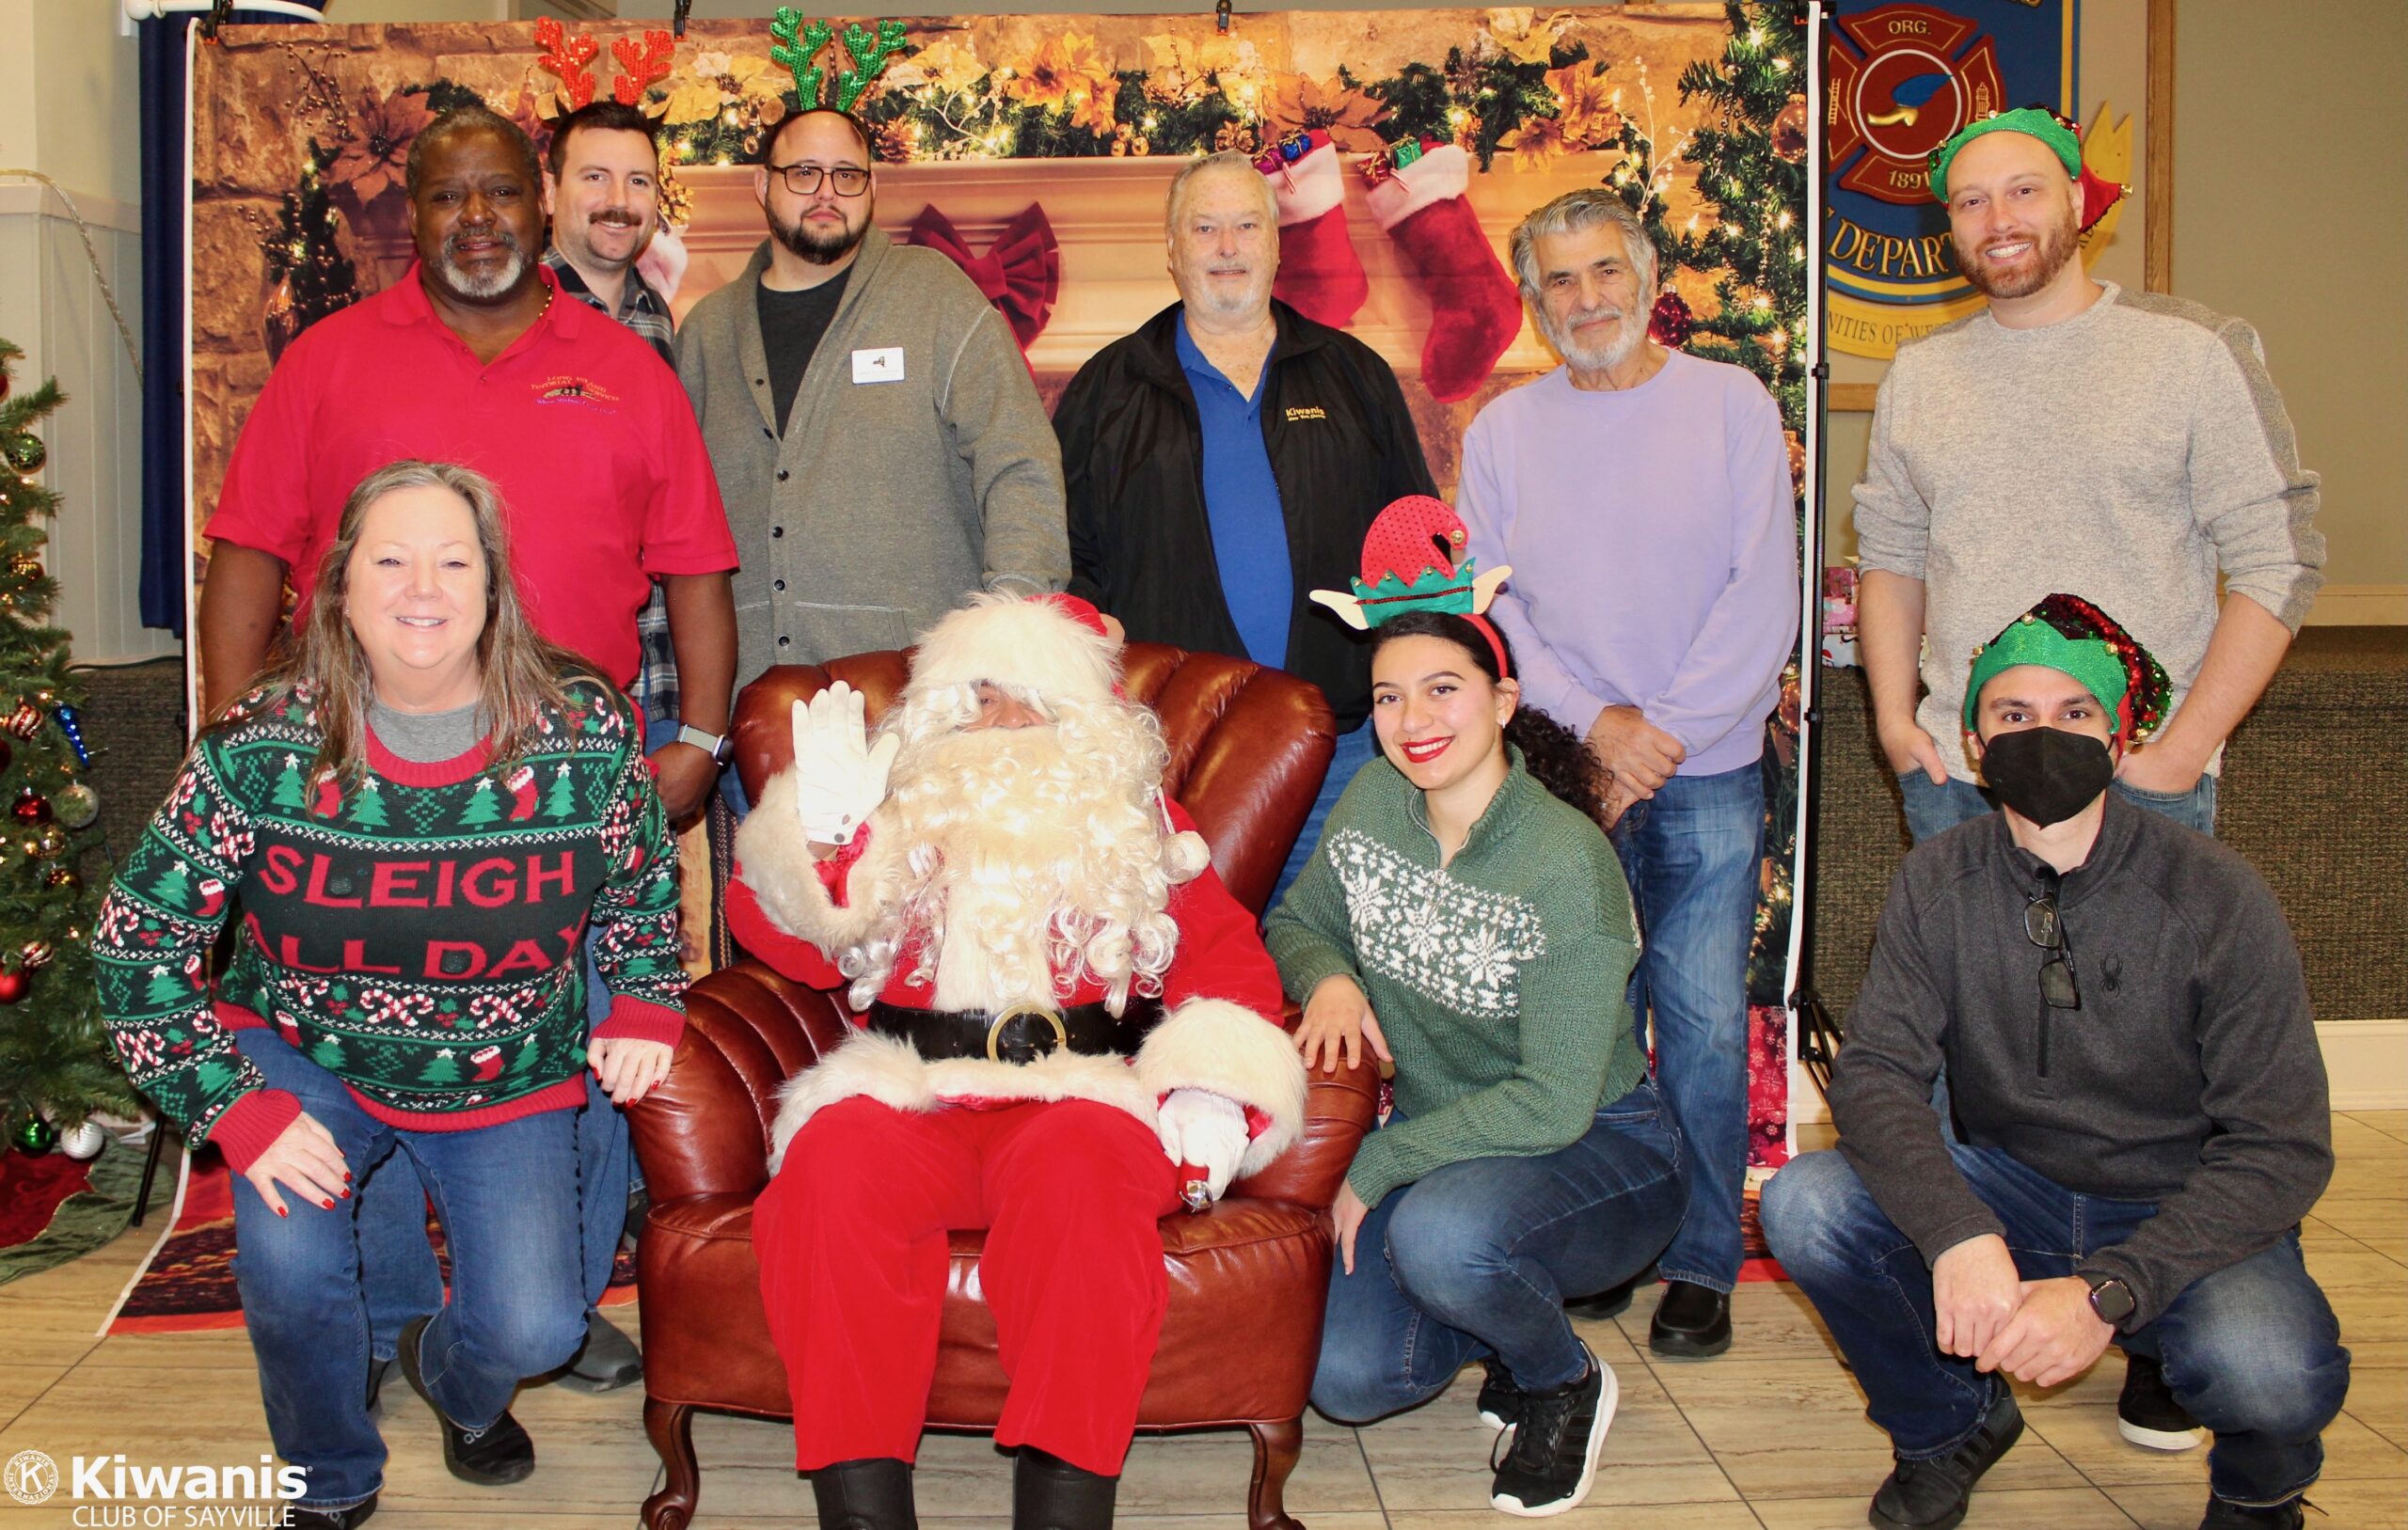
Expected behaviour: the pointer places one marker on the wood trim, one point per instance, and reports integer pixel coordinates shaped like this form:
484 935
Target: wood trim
1850 398
2157 171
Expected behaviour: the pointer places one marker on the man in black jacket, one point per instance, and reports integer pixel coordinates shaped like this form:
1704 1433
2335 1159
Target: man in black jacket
1226 459
2137 1112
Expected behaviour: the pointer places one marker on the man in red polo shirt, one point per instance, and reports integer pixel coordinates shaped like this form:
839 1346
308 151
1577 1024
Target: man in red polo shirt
470 358
475 358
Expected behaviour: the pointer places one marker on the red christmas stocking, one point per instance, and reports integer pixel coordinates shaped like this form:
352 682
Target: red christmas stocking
1475 310
1320 274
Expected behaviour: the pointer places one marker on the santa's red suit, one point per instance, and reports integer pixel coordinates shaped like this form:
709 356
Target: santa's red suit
878 1152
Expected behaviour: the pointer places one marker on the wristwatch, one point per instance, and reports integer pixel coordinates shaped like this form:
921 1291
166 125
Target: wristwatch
717 746
2109 1298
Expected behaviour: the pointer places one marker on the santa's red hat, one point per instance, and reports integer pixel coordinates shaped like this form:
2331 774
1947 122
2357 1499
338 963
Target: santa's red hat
1052 648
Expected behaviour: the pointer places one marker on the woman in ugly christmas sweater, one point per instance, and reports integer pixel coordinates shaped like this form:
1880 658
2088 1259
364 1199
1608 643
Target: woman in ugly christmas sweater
1465 918
419 812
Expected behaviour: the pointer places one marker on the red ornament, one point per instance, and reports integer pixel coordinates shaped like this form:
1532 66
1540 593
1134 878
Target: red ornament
31 807
25 722
14 985
1670 323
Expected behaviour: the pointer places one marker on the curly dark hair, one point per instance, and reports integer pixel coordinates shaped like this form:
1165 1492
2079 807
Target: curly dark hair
1555 756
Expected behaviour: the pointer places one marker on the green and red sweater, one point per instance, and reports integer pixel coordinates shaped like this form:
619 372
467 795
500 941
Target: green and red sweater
420 936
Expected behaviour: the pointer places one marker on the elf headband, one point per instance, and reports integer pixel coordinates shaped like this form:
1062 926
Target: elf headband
1412 562
2074 638
2060 133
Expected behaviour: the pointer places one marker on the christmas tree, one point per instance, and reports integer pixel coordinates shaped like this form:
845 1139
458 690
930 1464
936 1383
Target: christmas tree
1751 159
311 276
55 1057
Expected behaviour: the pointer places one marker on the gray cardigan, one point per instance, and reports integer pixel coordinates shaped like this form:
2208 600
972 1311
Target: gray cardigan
2190 1076
885 502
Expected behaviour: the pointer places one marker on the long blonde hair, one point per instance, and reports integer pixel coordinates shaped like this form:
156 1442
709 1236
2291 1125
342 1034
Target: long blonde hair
521 674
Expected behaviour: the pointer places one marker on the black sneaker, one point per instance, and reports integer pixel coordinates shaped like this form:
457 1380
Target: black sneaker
1553 1459
2225 1516
300 1518
2146 1414
493 1456
1931 1494
1692 1322
1500 1400
606 1361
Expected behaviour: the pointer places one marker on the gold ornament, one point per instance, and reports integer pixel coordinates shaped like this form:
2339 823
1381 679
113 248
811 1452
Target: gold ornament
52 842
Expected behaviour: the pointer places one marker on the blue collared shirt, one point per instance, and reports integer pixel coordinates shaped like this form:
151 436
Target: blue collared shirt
1242 504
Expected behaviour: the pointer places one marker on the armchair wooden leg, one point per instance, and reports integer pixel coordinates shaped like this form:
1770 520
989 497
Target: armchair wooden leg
1276 1449
672 1428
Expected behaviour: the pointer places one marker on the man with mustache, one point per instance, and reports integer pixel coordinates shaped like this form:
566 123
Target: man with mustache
875 427
1226 459
1643 499
2133 440
1057 1007
470 358
2138 1113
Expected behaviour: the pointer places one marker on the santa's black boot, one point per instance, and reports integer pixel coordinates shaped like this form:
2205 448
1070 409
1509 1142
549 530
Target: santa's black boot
1049 1494
873 1494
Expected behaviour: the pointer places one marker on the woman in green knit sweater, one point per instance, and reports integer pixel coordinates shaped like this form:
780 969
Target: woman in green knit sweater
1465 918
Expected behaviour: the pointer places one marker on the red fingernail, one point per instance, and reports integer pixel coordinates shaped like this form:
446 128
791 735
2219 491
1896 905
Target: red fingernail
328 1204
346 1194
346 1178
281 1212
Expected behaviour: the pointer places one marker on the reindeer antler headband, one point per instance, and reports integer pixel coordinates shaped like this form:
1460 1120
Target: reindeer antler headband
798 42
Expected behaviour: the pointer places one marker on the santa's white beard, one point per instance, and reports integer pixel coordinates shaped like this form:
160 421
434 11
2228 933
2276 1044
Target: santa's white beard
1036 861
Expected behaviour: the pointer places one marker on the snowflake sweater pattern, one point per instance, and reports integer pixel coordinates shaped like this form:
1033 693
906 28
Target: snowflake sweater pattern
418 936
1501 979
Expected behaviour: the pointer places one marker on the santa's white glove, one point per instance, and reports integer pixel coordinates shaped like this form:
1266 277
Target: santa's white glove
1205 1130
839 776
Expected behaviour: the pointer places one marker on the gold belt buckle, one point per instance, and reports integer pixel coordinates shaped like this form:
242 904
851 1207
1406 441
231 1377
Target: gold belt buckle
1013 1011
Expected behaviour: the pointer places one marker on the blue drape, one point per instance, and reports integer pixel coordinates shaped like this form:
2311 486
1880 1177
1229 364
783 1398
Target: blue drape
166 572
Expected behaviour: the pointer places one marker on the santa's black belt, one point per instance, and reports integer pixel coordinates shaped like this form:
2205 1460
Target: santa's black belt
1019 1033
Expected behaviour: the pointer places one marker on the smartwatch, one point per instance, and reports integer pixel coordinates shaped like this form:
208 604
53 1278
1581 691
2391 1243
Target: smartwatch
717 746
2109 1298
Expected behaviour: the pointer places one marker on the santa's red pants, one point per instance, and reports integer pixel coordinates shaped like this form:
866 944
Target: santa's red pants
851 1239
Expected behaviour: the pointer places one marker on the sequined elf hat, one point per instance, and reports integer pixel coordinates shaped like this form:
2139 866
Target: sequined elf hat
2069 635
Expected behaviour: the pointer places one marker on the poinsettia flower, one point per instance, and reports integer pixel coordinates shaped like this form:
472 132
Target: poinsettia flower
1589 115
1536 142
375 158
1069 76
944 66
1298 103
712 64
695 101
1521 34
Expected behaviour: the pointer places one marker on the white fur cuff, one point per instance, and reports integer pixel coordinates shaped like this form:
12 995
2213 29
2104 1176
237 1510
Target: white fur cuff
777 868
1442 173
1308 188
1230 1050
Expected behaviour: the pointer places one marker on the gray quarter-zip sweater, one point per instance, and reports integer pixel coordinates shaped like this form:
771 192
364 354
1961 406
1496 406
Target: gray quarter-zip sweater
2190 1076
890 496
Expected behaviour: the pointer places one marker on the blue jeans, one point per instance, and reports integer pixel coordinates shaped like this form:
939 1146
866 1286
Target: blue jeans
1355 750
507 1197
1693 854
2253 1351
1476 1259
1936 810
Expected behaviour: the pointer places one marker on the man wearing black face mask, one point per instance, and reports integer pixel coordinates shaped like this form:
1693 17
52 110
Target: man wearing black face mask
2140 1117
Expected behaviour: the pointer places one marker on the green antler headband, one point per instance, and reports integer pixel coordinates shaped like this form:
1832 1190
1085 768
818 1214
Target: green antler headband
800 41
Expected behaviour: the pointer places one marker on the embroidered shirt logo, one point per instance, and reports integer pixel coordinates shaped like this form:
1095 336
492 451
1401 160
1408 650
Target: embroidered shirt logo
560 390
1307 411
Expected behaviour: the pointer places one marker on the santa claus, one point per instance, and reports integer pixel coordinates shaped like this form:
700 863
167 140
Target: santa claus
1065 1026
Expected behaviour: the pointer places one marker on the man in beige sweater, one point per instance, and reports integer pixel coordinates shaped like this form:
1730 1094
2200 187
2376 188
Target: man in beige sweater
877 435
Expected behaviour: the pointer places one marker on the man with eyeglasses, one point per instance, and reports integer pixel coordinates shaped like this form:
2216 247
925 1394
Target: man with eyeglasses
2137 1121
876 432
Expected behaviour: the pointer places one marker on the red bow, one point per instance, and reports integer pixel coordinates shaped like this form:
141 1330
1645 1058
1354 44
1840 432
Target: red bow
1020 274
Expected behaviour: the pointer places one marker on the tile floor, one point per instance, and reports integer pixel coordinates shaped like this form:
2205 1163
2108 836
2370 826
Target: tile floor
1769 1436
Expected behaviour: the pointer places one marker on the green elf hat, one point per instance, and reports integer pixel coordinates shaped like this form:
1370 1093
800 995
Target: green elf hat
2062 136
2068 634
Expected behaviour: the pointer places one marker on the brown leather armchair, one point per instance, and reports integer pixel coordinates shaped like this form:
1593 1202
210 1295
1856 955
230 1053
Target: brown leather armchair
1248 1278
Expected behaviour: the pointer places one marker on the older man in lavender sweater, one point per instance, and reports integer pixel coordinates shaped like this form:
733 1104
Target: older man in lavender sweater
1644 497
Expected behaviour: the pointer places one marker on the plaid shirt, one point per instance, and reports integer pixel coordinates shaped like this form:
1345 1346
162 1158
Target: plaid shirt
642 310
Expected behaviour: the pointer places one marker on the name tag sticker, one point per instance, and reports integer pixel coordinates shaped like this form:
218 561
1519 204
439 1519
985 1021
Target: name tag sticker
884 365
